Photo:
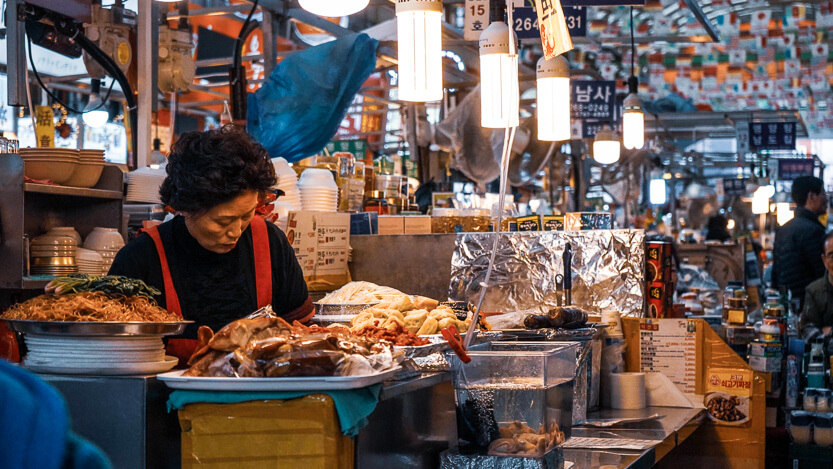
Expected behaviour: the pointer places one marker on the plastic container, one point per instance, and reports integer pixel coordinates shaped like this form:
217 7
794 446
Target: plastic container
376 203
801 427
446 220
810 396
476 220
512 388
823 429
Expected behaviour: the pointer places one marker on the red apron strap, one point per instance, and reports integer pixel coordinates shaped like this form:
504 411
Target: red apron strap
171 298
263 261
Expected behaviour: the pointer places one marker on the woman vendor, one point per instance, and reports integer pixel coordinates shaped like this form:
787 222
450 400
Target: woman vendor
217 260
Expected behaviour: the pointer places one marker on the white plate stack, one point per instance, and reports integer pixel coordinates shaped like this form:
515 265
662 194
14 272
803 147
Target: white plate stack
319 191
53 254
96 355
106 242
143 185
89 261
288 183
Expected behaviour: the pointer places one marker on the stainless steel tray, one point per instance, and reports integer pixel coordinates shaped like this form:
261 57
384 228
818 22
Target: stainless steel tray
175 380
412 351
78 328
341 309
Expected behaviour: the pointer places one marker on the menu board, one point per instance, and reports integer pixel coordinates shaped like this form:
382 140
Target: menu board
669 346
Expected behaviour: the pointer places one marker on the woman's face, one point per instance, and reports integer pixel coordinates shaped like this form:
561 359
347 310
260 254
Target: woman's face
219 229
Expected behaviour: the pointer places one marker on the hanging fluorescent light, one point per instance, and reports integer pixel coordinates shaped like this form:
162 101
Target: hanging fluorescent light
333 8
783 213
419 37
606 146
95 114
657 192
633 120
499 96
760 203
553 99
730 225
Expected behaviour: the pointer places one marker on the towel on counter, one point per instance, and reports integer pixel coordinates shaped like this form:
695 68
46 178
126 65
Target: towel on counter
352 405
34 426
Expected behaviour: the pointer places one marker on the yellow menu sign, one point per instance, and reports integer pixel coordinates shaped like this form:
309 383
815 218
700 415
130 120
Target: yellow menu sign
555 38
730 381
44 126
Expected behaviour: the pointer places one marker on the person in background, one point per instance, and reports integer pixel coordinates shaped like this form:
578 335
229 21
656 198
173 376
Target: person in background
718 229
798 244
817 316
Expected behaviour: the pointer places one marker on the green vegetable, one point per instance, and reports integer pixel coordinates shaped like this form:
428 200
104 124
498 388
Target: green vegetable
109 284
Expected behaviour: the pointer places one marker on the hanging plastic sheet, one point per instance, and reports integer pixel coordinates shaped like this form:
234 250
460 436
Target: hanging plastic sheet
607 269
301 105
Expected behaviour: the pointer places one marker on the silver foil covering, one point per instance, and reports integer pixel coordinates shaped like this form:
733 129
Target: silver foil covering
452 459
607 269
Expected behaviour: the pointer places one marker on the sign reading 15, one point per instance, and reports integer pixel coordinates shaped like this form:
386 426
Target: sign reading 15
478 10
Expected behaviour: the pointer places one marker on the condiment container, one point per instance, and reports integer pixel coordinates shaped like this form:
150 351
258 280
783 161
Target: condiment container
769 331
801 427
476 220
823 400
810 396
446 220
823 429
376 203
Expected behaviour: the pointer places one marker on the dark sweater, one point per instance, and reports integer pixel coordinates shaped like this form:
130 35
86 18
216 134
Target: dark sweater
797 251
215 289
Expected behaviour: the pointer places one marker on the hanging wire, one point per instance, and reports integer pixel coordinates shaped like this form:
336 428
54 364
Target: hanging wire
633 47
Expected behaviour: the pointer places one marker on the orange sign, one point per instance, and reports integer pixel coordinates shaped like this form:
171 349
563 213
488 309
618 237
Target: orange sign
730 381
555 38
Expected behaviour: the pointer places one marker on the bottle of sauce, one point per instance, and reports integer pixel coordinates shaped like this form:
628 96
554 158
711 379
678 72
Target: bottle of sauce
376 203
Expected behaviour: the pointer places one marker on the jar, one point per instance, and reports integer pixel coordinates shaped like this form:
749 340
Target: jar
810 400
343 177
801 424
509 217
476 220
823 429
356 187
769 331
376 203
446 220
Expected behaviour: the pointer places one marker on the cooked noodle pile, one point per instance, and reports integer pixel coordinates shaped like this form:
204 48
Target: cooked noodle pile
89 306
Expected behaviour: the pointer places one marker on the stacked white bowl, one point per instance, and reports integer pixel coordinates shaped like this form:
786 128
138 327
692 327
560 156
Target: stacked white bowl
287 182
143 185
57 164
88 171
89 261
319 191
107 242
53 254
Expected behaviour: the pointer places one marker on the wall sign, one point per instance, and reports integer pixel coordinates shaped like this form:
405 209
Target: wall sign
791 168
594 100
357 147
734 187
525 20
772 135
477 19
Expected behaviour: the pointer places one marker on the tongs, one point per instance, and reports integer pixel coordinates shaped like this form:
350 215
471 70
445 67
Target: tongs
567 259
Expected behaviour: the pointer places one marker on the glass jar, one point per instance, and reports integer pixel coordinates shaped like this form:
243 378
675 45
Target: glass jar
356 188
476 220
446 220
769 331
376 203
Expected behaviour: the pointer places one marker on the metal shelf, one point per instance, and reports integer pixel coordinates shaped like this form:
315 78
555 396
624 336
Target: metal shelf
36 282
71 191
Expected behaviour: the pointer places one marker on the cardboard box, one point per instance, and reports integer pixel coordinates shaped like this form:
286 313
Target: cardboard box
303 432
418 224
391 225
321 241
765 349
553 222
529 223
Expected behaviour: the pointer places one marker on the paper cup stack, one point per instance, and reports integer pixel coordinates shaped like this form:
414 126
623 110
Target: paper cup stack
288 183
53 254
106 242
319 191
627 391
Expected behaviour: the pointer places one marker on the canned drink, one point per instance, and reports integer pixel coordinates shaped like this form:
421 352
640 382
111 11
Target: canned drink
658 262
660 299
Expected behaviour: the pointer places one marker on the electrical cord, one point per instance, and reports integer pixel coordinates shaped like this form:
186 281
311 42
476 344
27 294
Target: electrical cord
238 48
633 47
53 96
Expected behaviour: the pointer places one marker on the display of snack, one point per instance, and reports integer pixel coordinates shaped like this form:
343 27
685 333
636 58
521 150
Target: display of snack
404 313
272 348
394 333
93 298
518 439
561 317
361 293
725 408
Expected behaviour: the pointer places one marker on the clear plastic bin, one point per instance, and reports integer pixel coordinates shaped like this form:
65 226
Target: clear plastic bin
515 398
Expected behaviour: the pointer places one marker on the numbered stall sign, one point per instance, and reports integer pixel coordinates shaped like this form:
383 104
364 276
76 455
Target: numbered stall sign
525 20
555 39
477 19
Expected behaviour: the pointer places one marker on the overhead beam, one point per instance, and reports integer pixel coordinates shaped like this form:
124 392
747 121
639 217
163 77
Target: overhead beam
695 8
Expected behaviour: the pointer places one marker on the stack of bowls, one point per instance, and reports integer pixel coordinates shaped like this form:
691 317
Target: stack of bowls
143 185
89 261
66 231
287 182
319 191
57 164
88 171
106 242
53 254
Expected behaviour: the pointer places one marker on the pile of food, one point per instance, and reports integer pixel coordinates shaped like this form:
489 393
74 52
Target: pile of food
93 298
271 347
566 317
421 318
518 439
725 408
393 333
362 293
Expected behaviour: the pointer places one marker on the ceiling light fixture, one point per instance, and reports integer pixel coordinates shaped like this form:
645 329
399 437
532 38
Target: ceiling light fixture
606 146
633 119
419 38
499 95
553 99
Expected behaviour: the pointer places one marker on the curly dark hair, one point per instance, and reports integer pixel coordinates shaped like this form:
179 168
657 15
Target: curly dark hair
209 168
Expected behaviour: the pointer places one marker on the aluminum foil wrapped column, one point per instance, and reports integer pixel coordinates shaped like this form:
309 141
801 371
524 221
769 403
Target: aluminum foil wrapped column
608 269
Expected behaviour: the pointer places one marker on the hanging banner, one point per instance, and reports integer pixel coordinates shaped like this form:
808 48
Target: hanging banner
772 136
45 127
555 39
525 20
477 19
791 168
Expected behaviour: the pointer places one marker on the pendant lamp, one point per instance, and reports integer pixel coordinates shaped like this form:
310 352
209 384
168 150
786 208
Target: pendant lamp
606 146
633 119
553 99
419 37
499 97
95 114
333 8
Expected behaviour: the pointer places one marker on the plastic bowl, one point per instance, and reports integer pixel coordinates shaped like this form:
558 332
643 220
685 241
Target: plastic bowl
86 174
57 169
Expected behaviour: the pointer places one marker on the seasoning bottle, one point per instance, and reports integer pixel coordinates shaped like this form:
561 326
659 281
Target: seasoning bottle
769 331
376 203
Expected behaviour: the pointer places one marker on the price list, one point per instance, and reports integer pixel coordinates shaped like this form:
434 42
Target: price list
669 346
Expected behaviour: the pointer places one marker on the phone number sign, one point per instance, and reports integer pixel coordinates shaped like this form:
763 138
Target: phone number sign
525 20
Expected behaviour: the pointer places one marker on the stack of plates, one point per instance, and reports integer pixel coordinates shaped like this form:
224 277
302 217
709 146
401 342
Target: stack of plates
319 191
288 183
53 254
96 355
57 164
143 185
106 242
89 261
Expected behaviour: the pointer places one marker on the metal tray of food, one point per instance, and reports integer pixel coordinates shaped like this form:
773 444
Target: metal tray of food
341 309
96 328
175 380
